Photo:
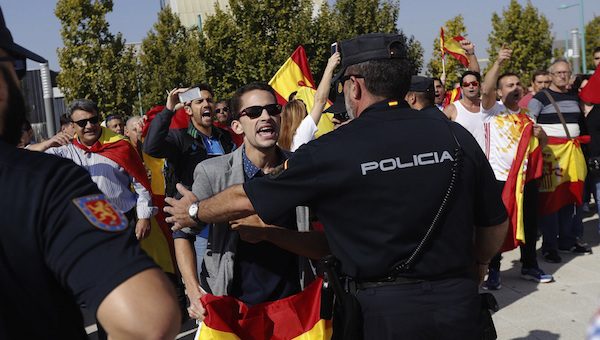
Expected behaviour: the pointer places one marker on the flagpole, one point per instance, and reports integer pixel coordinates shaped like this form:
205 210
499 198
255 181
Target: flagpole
443 64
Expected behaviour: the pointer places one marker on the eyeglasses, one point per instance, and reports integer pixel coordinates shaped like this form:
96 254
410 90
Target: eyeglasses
225 110
347 76
83 122
20 65
467 84
256 111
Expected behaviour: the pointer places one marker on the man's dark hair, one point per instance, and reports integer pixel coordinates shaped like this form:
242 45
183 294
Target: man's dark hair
596 50
470 73
504 75
425 98
539 73
236 100
64 119
84 105
388 78
204 87
14 113
114 116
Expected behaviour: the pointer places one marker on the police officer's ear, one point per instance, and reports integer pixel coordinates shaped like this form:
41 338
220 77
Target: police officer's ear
411 98
236 126
356 88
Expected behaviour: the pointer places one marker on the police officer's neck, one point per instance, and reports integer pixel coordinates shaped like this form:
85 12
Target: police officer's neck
264 158
366 101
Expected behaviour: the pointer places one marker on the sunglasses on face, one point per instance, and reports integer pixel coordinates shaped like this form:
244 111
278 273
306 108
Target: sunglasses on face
20 65
467 84
224 110
256 111
83 122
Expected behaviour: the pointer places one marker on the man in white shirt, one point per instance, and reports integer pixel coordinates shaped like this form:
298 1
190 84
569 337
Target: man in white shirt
504 125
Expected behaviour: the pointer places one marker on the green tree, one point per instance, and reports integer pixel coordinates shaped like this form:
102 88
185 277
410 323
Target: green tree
527 33
170 58
95 63
592 40
452 28
254 38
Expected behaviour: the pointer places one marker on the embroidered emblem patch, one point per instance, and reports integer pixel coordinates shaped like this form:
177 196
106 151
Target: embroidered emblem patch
101 213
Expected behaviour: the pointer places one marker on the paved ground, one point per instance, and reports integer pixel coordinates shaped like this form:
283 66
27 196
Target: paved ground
549 311
529 310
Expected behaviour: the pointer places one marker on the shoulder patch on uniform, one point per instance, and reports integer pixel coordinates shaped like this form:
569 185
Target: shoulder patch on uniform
101 213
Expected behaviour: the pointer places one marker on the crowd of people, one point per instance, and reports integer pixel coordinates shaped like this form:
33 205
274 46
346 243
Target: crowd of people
254 199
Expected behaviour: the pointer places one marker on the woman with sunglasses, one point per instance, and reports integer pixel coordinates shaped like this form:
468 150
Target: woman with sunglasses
297 126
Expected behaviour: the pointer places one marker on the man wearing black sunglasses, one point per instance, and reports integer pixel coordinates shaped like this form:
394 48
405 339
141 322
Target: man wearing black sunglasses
64 245
237 263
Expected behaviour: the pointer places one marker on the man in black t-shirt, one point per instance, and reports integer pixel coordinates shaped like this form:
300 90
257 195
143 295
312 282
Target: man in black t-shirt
63 244
377 196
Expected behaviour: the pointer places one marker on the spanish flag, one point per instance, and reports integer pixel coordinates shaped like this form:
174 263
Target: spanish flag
564 172
452 47
294 73
590 93
526 166
452 96
295 317
307 95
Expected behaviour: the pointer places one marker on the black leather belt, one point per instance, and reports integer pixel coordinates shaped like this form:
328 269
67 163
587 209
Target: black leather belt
359 285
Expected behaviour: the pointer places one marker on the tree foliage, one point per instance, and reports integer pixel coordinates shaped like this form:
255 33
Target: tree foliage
452 28
170 57
95 63
527 33
253 39
592 40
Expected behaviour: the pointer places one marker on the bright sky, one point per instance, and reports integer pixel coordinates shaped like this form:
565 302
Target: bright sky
34 25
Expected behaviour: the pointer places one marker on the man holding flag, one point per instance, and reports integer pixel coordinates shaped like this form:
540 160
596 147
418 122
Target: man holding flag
514 151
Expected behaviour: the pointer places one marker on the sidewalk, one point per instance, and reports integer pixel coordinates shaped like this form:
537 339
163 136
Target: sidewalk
549 311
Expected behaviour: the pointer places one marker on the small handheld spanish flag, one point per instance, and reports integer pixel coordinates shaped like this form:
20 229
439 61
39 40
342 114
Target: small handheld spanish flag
452 47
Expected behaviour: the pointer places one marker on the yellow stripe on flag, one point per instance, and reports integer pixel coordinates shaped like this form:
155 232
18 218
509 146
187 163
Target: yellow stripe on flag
287 79
322 330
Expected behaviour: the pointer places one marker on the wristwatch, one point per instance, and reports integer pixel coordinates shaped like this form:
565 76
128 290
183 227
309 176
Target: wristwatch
193 212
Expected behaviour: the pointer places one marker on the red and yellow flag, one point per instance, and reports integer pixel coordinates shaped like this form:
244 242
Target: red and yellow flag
590 93
452 47
564 172
295 317
294 73
452 96
526 166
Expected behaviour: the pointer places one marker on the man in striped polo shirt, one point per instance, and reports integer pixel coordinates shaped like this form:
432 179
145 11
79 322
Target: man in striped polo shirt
559 229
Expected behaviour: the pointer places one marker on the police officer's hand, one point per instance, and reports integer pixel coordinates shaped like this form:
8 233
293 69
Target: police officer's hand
481 270
142 228
173 103
178 208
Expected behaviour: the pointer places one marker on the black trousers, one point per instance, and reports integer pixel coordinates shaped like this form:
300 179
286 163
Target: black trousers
444 309
530 220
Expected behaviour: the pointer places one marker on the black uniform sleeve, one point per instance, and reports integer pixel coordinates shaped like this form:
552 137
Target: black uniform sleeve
275 195
489 208
86 260
159 142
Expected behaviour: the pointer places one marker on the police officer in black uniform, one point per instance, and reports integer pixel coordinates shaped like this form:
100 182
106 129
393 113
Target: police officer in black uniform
62 244
379 184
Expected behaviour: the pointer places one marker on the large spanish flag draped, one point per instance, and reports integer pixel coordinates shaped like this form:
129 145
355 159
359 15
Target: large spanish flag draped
452 47
294 73
526 166
564 174
295 317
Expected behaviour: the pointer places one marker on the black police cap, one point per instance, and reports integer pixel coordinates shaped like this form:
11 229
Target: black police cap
7 43
421 84
373 46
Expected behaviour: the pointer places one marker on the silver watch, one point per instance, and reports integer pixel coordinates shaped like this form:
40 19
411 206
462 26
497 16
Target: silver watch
193 212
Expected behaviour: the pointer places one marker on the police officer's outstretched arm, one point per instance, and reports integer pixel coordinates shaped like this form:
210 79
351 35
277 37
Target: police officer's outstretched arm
143 307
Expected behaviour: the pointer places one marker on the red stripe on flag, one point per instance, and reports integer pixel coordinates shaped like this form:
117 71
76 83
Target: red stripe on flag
299 57
282 319
564 194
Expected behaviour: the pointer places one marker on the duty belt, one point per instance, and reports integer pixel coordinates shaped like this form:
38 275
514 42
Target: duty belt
399 280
